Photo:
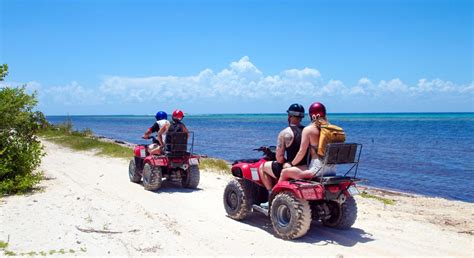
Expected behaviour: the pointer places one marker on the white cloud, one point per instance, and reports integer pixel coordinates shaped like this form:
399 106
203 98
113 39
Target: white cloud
72 94
241 80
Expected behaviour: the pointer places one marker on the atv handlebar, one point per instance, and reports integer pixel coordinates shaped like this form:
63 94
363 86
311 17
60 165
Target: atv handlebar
269 152
153 138
265 148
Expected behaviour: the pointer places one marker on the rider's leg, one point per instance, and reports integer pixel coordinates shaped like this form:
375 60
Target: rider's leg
290 173
266 175
154 149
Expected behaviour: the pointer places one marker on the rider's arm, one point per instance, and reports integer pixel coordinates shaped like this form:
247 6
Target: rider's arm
147 133
154 128
280 149
303 147
162 131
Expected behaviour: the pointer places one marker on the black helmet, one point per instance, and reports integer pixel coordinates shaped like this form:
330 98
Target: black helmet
296 110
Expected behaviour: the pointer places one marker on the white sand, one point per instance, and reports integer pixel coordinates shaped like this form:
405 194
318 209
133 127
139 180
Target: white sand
87 192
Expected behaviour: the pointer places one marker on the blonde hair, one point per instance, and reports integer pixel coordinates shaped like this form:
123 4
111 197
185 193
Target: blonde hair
319 121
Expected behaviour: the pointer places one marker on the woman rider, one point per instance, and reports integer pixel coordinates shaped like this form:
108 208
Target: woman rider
310 138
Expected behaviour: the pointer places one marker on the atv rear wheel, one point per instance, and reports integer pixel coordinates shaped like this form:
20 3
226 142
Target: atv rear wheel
191 180
152 177
133 174
343 216
290 216
237 203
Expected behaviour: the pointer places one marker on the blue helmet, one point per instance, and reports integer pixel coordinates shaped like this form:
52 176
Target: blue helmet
160 115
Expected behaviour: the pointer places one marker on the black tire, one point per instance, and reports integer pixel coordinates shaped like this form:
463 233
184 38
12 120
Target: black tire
134 175
343 216
237 202
152 177
290 216
191 180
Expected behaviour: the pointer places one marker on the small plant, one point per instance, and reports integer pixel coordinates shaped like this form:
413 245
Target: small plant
51 252
71 251
43 253
83 249
3 245
382 199
88 219
9 253
214 164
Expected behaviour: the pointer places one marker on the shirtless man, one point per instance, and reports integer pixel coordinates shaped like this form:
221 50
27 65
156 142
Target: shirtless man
288 143
309 138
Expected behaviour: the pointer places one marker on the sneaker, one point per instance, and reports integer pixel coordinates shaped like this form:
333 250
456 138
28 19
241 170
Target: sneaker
264 205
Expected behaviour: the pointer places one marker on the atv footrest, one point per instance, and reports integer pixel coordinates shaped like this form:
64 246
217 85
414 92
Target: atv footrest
255 207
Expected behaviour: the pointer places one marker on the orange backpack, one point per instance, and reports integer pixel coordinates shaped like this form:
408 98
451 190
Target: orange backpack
329 134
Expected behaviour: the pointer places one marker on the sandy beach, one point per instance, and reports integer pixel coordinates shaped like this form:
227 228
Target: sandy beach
88 206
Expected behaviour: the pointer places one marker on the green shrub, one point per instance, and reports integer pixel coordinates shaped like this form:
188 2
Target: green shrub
20 150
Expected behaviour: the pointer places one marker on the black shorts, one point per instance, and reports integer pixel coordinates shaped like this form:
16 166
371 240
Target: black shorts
276 169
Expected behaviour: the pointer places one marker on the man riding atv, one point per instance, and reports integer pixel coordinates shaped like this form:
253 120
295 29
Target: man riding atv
160 127
288 142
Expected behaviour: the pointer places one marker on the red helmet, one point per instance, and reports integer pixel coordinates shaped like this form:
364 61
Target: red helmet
317 109
178 114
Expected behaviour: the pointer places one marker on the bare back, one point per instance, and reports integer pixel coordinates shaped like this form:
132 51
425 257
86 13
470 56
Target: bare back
313 136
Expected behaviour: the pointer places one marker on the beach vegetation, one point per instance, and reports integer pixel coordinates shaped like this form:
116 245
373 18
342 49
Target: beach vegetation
20 149
3 244
386 201
9 253
61 251
84 140
217 165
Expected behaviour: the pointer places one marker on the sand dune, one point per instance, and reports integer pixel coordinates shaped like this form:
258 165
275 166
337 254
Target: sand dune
89 207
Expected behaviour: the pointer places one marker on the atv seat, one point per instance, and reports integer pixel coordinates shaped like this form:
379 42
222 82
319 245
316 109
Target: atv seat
177 144
329 180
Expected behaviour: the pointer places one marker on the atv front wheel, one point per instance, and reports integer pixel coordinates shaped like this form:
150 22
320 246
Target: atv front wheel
237 203
151 177
133 174
343 216
191 180
290 216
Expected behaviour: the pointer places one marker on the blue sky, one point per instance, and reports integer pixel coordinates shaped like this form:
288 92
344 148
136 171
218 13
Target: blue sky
135 57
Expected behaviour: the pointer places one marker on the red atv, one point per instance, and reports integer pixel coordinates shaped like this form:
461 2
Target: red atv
294 204
175 164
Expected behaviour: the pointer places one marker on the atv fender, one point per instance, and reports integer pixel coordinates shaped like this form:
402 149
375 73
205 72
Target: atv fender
156 161
248 171
300 189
